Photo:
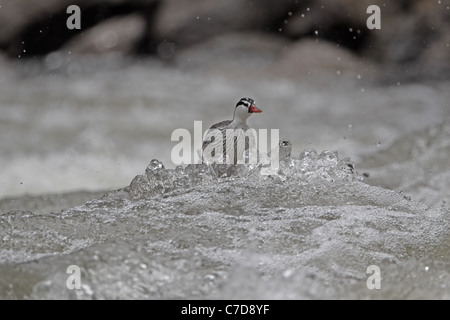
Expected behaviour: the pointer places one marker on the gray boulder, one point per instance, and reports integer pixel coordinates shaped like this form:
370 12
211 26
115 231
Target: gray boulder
39 27
119 35
187 22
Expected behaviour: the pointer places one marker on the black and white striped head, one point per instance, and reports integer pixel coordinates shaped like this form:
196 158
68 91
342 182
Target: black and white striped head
249 105
244 109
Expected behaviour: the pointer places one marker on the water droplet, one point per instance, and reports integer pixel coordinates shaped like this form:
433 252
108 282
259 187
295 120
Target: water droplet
155 165
329 155
197 17
316 32
140 186
309 153
350 29
358 76
307 9
210 277
338 72
350 127
289 14
287 273
427 268
179 170
303 15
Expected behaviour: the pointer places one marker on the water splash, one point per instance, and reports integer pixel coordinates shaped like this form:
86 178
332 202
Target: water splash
308 231
308 166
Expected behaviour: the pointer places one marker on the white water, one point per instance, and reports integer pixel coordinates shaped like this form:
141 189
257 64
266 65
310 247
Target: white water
96 125
309 232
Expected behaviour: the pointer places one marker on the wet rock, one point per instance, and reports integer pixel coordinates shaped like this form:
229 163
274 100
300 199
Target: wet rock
432 38
119 35
435 58
322 15
341 22
407 32
413 39
16 14
40 28
186 22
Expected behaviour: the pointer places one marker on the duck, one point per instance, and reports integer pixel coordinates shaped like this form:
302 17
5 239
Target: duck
244 108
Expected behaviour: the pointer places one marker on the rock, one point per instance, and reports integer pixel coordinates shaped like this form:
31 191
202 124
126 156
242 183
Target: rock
340 21
27 30
186 22
413 42
119 35
399 39
16 14
322 15
435 59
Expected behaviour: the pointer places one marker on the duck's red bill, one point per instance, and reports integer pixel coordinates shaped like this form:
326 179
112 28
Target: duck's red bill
254 109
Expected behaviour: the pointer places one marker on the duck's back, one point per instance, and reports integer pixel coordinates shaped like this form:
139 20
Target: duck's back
223 126
218 126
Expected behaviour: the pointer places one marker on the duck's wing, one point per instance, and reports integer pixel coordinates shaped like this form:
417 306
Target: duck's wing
220 126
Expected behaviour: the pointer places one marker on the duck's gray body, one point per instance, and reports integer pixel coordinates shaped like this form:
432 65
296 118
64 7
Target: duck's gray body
244 109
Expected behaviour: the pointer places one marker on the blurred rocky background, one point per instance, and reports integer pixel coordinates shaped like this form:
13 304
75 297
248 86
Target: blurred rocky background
287 36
